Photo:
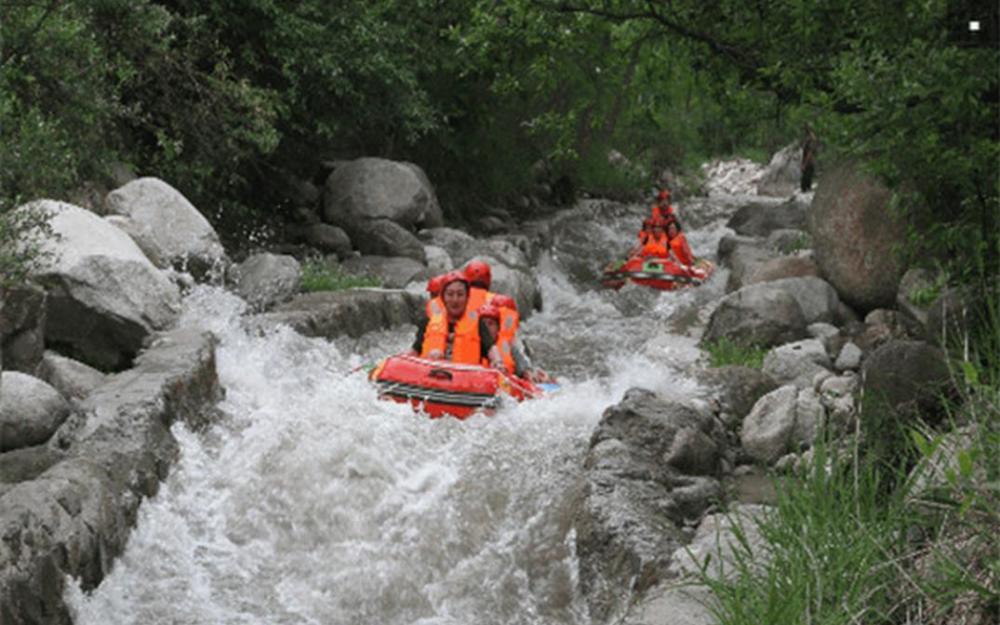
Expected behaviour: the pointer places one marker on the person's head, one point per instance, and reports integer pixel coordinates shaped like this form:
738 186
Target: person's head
455 293
504 301
478 274
490 315
673 228
663 195
434 285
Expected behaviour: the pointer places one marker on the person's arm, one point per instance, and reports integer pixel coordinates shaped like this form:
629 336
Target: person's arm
485 340
522 364
418 343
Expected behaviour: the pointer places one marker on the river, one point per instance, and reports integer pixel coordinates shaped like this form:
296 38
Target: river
310 501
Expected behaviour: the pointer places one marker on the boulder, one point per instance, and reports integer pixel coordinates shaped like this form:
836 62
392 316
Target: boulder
782 267
264 279
394 272
325 238
104 296
849 358
353 312
756 315
438 260
30 410
856 237
737 388
837 395
74 380
521 284
453 241
781 176
636 494
797 363
27 463
376 189
908 375
74 519
760 220
166 226
817 299
789 240
22 327
381 237
744 256
767 430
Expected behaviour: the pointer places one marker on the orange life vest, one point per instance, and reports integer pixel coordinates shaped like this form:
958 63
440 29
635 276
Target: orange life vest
509 321
681 249
465 346
656 247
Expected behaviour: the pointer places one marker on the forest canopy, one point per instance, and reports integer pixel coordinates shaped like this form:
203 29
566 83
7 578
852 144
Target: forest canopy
234 101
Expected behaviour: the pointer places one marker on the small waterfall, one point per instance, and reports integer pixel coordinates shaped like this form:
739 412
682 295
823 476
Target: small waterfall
311 501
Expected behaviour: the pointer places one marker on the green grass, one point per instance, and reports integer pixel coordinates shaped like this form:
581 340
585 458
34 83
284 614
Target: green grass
729 352
856 539
318 275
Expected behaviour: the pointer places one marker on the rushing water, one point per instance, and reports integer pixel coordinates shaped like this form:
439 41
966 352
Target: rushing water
312 502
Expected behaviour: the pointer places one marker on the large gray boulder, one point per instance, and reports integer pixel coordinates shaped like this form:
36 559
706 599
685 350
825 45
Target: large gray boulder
910 376
744 256
353 312
817 299
767 431
650 467
369 189
394 272
74 519
781 177
758 315
324 237
521 284
265 279
30 410
104 295
165 225
381 237
797 363
22 327
782 267
857 237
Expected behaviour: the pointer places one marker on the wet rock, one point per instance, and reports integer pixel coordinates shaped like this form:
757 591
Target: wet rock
73 519
353 312
265 279
104 296
30 410
716 543
438 260
634 500
817 299
165 226
73 379
27 463
855 237
671 604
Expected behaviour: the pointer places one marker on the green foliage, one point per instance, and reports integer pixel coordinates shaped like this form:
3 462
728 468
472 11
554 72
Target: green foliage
319 275
21 235
727 351
828 554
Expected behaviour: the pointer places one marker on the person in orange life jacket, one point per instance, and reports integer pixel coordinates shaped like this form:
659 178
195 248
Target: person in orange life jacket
480 276
678 243
659 211
453 330
500 317
657 245
434 286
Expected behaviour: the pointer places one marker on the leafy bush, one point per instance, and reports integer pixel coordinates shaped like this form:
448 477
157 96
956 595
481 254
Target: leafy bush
319 275
730 352
21 234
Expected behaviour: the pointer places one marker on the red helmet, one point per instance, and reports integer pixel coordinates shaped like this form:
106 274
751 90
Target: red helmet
664 194
478 273
453 276
489 311
435 285
504 301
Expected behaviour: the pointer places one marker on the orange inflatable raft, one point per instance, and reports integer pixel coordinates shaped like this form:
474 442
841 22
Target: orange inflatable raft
664 274
439 387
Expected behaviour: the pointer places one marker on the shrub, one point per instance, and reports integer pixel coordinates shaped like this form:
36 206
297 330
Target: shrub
729 352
